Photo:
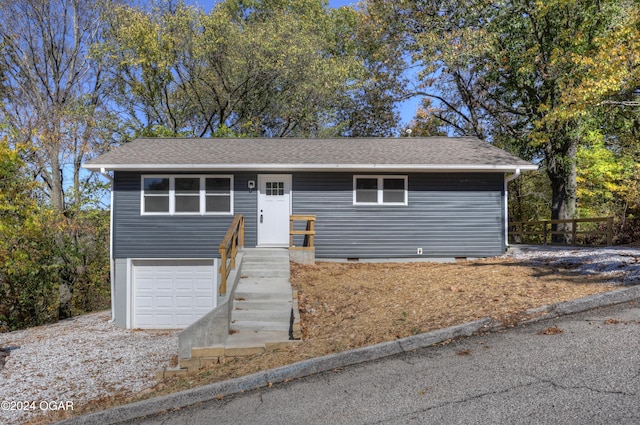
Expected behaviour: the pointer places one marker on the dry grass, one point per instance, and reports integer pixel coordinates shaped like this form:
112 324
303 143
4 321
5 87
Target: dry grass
349 305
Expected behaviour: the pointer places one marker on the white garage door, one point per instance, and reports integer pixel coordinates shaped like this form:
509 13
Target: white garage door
172 294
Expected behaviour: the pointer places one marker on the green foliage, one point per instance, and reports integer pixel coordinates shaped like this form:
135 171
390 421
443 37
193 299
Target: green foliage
51 265
539 77
529 197
259 68
85 261
604 178
29 273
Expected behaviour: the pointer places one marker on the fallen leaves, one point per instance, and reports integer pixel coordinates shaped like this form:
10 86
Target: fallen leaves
350 305
551 330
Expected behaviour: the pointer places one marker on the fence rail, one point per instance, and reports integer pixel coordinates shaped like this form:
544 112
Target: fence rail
586 230
309 232
228 249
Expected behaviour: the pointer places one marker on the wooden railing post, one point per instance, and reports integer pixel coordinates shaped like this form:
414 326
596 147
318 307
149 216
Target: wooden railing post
233 239
544 232
311 229
291 224
521 226
308 233
223 271
609 231
574 232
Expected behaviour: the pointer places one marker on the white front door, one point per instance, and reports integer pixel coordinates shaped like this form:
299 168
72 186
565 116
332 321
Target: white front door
274 208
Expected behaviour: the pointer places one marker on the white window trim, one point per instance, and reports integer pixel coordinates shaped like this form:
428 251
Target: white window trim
172 194
381 189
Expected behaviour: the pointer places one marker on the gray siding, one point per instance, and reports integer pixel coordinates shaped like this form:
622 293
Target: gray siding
138 236
449 215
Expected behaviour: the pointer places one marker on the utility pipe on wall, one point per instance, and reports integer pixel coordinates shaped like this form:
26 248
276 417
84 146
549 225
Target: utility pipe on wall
103 171
507 179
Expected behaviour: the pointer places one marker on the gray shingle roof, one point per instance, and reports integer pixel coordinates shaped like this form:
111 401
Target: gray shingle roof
409 154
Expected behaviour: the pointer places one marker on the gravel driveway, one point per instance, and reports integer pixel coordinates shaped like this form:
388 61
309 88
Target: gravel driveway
87 358
76 361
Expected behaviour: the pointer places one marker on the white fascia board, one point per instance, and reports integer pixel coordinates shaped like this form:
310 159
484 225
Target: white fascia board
312 167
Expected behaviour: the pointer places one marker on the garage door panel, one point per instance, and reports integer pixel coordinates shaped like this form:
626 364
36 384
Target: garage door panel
144 320
185 302
164 302
164 284
184 284
172 294
201 302
143 302
202 285
184 320
163 320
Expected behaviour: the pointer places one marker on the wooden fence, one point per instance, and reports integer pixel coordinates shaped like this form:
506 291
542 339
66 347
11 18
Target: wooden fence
228 249
588 231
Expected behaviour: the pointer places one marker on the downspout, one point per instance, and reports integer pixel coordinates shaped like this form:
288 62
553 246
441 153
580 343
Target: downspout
507 179
103 171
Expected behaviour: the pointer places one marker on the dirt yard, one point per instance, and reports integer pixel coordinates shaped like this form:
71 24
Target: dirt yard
349 305
345 306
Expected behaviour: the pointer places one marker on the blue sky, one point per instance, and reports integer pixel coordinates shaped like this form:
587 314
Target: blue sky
407 109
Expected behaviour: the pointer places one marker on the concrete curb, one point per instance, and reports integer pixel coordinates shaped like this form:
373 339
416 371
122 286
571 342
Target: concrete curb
591 302
313 366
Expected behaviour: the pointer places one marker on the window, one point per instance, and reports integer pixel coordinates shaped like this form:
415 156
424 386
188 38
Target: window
218 194
380 190
275 188
188 195
156 194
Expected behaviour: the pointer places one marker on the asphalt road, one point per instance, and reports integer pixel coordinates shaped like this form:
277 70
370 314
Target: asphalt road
585 372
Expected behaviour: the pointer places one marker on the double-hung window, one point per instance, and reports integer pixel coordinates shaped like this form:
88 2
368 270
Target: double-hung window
187 195
380 190
155 197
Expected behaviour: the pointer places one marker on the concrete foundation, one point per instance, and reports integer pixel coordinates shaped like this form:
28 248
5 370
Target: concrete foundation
302 256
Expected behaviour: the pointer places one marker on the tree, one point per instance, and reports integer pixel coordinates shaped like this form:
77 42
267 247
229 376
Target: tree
51 91
29 279
270 68
498 70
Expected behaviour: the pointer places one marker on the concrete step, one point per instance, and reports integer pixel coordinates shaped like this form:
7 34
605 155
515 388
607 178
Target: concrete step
259 325
265 282
263 296
265 270
262 293
257 259
275 304
248 338
274 284
270 274
276 253
261 315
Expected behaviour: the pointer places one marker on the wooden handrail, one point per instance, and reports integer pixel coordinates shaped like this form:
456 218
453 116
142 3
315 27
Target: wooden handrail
228 249
543 229
309 233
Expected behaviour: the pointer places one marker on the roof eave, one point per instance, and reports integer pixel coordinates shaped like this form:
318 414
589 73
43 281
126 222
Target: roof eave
315 167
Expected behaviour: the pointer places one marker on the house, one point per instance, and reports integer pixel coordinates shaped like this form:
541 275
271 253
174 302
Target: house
374 198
